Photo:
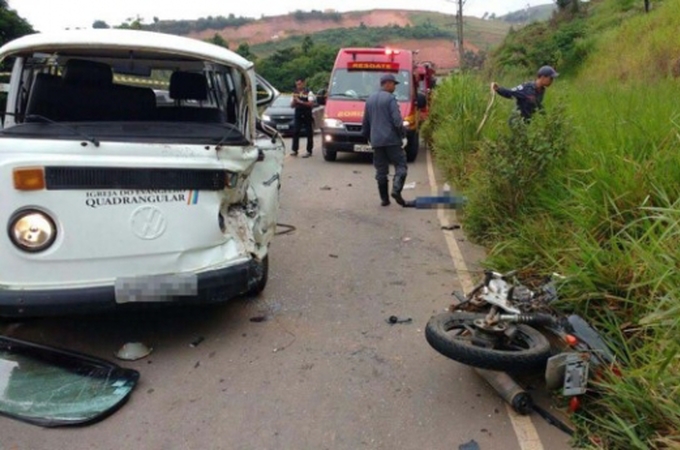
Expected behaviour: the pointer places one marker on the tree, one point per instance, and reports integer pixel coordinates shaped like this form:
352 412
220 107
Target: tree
244 50
11 25
132 24
100 24
219 40
563 5
307 45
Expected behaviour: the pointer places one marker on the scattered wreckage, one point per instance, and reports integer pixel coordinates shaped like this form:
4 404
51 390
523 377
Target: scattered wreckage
504 329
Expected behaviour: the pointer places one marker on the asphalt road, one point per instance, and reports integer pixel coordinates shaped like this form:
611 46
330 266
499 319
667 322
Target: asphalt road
318 367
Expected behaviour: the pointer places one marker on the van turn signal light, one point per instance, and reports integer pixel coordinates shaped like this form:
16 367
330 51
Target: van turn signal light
29 178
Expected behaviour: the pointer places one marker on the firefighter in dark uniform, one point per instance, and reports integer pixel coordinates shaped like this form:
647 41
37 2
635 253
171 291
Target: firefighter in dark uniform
303 102
529 95
383 128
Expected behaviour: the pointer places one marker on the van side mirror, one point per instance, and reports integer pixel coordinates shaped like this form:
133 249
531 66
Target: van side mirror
421 101
321 96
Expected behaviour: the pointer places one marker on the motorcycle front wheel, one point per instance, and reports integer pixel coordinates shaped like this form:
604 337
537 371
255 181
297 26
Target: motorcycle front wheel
451 334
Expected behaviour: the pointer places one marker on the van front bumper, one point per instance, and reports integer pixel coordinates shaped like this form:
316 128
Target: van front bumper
212 286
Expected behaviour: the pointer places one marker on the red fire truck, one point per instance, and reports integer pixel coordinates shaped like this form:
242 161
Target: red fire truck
356 75
425 75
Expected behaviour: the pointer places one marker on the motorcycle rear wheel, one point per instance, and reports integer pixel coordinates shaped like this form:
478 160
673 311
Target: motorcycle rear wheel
450 334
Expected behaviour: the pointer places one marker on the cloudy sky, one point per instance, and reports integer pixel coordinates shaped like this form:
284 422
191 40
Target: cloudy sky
82 13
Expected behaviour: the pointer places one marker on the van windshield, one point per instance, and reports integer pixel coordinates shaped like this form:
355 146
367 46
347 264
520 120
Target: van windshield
147 98
361 84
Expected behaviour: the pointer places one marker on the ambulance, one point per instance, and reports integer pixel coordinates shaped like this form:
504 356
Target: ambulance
356 75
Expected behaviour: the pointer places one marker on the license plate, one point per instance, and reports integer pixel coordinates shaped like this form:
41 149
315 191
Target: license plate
158 288
575 374
363 148
282 127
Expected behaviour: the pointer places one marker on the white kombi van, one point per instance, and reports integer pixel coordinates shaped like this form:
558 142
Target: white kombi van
134 169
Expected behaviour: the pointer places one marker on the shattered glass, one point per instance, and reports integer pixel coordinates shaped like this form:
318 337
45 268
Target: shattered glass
52 387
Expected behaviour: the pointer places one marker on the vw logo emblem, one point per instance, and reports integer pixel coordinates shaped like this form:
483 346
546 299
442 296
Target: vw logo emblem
148 222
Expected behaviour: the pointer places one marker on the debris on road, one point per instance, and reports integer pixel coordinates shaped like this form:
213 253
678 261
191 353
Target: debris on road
132 351
326 188
288 229
197 341
258 319
411 185
451 227
394 320
472 445
333 256
406 239
53 387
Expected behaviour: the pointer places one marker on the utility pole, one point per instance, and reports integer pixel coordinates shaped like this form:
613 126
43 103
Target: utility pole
461 50
459 30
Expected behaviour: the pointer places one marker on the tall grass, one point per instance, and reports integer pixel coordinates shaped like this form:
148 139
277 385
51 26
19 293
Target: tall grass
591 190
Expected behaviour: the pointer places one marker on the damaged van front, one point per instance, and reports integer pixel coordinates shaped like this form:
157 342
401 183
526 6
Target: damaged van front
135 170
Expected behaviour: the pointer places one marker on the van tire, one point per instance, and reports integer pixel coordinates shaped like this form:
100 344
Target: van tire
329 155
412 146
259 285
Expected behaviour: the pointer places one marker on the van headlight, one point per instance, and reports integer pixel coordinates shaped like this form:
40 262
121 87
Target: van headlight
32 230
332 123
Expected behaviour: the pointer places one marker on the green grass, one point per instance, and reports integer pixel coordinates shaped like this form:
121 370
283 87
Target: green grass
592 191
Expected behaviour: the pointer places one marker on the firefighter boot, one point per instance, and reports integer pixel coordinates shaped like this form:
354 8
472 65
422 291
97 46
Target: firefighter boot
397 186
383 188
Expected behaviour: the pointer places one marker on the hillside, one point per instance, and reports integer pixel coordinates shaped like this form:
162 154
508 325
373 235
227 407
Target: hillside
588 190
266 35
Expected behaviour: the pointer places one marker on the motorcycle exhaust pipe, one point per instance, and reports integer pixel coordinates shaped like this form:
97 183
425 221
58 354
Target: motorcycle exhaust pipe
508 390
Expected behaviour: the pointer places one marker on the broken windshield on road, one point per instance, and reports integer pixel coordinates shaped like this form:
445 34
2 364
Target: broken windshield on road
52 387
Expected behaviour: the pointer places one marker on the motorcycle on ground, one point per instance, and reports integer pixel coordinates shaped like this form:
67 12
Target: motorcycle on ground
503 328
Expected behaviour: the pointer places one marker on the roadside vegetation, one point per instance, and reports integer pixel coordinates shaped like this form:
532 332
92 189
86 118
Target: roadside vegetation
590 190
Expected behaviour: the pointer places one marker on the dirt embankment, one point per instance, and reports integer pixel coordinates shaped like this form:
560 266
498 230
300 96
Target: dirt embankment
281 27
442 52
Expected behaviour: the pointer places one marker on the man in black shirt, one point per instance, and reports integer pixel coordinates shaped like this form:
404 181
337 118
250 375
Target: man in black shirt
529 95
303 102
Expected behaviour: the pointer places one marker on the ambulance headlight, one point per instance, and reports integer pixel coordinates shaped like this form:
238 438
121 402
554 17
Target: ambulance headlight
332 123
32 230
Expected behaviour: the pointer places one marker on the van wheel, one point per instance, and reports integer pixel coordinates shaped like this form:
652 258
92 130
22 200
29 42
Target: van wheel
329 155
260 283
412 146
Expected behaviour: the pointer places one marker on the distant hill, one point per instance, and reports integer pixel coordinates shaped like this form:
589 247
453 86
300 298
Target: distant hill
432 34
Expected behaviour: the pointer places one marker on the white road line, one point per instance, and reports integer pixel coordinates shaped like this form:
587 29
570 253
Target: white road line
454 250
526 433
527 436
